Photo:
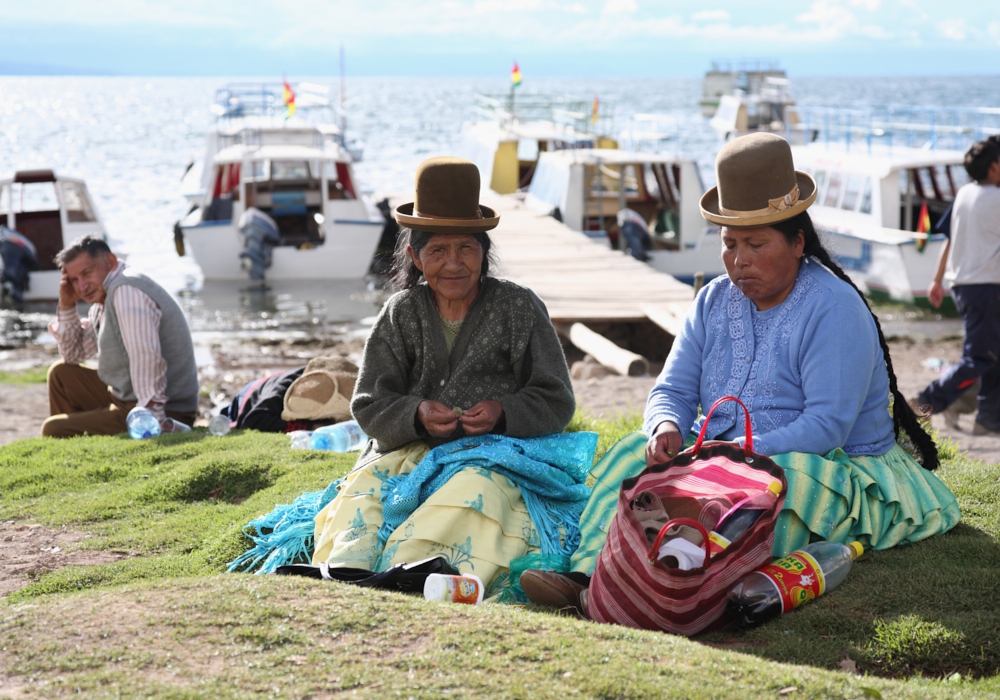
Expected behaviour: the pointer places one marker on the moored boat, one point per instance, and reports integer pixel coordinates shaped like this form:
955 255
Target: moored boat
587 188
50 211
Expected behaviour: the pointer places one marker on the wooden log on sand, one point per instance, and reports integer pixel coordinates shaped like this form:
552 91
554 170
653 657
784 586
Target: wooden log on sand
624 362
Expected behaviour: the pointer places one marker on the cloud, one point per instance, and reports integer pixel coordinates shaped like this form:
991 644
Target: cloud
993 31
870 5
954 28
711 16
575 8
616 7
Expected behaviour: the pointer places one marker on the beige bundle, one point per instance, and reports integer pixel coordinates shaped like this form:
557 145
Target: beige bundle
323 392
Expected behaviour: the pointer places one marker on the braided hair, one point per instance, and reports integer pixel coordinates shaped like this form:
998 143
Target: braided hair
903 415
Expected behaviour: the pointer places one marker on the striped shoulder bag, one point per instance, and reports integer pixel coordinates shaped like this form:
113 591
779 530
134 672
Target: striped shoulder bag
632 586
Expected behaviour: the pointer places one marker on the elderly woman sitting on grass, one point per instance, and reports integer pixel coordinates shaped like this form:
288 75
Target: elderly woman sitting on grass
454 354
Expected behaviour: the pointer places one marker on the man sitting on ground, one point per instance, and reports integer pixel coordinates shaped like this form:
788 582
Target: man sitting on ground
140 337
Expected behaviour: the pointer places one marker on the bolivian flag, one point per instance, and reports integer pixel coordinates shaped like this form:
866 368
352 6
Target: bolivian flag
515 75
595 110
288 95
923 227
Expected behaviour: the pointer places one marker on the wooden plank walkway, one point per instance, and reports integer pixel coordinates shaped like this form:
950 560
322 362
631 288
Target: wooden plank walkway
580 279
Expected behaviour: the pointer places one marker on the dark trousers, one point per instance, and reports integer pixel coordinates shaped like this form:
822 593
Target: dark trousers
979 305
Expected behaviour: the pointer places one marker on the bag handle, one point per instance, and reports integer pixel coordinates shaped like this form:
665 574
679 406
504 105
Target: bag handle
747 446
655 549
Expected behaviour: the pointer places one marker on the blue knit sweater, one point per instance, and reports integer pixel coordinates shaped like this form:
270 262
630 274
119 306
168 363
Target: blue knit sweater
810 370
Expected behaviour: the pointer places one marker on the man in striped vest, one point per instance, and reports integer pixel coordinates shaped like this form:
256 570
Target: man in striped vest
139 336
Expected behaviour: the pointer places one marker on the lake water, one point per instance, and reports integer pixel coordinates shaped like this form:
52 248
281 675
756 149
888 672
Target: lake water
131 139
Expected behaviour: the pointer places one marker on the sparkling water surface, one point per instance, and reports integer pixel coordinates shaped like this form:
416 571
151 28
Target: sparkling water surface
132 138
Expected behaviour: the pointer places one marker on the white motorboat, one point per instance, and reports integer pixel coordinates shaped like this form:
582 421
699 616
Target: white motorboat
769 108
327 229
294 166
586 188
869 205
50 210
724 77
511 135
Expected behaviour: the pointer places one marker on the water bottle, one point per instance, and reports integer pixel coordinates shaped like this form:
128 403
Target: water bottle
787 583
741 518
300 439
340 437
170 425
219 425
142 423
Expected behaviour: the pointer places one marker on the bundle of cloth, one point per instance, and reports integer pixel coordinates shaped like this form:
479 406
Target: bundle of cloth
304 398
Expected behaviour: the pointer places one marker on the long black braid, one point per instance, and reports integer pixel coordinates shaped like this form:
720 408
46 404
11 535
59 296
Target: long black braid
903 415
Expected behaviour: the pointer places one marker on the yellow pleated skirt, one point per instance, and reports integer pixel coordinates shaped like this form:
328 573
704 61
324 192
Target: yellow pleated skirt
477 521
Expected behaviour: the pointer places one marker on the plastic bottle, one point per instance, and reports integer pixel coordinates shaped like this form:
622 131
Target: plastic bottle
142 423
787 583
169 425
300 439
741 518
339 437
466 589
219 425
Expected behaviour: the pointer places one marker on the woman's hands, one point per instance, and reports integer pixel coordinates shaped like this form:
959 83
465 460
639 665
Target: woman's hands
482 417
441 421
665 443
438 420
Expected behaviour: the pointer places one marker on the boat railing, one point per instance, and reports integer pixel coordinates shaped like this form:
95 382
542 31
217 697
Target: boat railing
577 115
649 132
899 125
266 99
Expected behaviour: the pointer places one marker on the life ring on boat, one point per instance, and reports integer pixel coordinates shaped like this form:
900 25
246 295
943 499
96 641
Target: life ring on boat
178 239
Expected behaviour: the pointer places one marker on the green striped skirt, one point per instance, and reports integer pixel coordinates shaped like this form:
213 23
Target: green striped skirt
881 501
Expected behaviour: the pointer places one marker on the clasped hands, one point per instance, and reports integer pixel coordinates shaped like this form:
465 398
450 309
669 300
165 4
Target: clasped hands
441 421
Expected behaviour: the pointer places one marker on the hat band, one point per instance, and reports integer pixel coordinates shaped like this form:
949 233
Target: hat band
773 205
477 217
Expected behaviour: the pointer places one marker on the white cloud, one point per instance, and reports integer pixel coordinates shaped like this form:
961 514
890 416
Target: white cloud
831 18
575 8
993 30
954 28
870 5
711 16
616 7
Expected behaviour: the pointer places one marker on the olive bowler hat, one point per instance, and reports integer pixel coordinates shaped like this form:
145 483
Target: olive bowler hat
447 199
758 183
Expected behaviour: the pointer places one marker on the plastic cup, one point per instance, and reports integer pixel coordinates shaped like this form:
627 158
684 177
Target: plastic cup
467 589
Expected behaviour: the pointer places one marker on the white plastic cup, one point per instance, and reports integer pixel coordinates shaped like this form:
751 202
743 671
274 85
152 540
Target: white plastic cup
467 589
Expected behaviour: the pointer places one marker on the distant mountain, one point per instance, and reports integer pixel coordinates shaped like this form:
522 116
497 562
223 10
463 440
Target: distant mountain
7 68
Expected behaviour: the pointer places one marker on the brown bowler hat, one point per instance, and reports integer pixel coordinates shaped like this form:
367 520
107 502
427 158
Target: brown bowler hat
758 183
447 199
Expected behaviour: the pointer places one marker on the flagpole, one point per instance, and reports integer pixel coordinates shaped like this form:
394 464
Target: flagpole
343 113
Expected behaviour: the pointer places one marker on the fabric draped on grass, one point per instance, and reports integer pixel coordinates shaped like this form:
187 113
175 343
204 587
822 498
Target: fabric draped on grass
285 535
549 471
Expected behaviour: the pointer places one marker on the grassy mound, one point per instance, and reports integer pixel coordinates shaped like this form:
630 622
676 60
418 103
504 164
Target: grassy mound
178 505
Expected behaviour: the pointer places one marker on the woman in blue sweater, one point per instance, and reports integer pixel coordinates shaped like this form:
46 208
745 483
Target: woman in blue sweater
788 333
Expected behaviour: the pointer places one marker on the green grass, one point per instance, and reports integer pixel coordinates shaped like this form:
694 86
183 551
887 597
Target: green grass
35 375
920 621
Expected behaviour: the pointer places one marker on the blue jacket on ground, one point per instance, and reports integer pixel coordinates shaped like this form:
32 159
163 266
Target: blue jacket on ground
810 370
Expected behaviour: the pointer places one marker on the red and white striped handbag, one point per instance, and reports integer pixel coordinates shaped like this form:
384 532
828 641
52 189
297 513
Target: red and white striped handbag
632 587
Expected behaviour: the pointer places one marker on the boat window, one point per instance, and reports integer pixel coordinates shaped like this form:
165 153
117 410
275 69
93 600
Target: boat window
34 196
289 170
820 181
4 201
833 190
76 203
855 183
260 170
631 181
925 182
649 180
958 176
527 149
866 198
943 183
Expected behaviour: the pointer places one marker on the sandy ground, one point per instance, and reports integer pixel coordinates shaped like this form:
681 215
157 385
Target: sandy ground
27 551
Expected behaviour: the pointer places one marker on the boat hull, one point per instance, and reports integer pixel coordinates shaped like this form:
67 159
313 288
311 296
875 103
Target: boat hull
345 254
897 272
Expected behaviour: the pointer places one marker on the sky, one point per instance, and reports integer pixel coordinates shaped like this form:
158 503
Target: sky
548 38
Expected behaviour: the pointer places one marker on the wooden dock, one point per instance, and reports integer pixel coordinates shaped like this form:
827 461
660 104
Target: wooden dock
580 279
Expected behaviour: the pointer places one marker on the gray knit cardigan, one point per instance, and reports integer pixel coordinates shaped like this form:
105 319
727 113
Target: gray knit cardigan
506 350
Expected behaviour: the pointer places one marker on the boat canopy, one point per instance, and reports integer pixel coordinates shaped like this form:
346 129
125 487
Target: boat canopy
240 153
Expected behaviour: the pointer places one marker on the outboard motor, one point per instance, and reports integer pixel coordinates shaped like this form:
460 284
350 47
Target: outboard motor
631 225
18 257
260 234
